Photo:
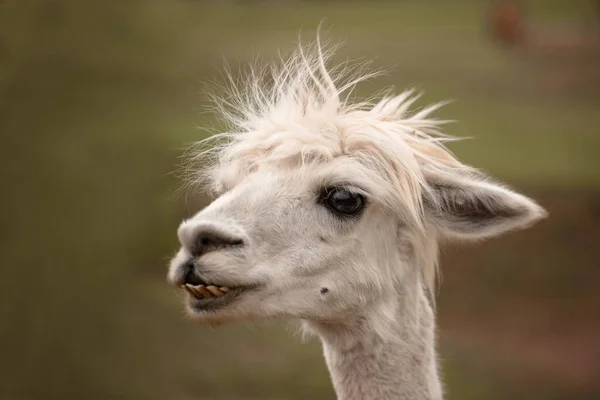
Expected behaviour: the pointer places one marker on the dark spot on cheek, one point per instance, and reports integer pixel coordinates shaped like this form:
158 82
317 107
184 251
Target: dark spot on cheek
322 239
324 290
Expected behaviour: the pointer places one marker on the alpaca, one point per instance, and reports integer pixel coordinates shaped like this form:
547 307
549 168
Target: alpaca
330 212
507 21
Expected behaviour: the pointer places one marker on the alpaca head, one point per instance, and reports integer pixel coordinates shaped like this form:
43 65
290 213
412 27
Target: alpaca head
326 207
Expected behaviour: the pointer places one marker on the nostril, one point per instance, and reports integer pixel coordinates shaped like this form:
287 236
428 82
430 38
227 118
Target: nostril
207 241
211 241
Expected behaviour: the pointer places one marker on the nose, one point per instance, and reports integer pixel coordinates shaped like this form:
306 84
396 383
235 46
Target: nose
209 238
207 241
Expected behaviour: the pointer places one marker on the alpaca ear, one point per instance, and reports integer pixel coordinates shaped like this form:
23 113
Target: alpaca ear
470 208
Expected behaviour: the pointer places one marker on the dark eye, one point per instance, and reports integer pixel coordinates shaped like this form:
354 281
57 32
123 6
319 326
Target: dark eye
344 201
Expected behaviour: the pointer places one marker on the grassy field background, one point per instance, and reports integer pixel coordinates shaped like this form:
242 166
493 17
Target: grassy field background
97 100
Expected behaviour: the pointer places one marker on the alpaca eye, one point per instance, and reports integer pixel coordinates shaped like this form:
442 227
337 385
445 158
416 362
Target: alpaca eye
345 201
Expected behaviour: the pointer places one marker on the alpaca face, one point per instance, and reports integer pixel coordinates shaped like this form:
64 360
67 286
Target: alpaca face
304 243
326 206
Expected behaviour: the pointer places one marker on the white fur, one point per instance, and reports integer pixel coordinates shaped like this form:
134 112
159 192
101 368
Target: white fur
294 132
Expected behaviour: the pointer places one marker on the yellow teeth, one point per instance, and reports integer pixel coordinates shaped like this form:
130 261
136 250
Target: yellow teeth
201 291
188 288
214 290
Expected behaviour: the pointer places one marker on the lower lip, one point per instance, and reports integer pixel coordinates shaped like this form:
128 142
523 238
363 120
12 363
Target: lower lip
214 303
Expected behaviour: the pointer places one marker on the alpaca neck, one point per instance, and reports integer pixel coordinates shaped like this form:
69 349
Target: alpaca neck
371 359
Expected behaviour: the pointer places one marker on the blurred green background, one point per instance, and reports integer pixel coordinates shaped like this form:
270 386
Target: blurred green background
98 99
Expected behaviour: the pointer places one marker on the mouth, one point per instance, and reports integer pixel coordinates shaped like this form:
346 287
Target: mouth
205 291
210 297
